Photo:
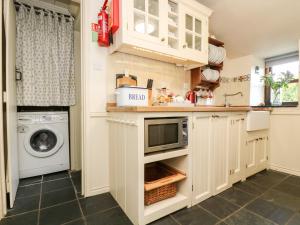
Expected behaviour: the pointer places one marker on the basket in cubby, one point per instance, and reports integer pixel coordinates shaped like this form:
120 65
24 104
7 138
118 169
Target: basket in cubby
160 182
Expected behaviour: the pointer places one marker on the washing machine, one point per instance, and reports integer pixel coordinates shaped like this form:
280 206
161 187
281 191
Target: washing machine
43 143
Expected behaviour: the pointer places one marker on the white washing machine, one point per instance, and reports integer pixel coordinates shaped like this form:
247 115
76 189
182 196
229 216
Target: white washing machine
43 143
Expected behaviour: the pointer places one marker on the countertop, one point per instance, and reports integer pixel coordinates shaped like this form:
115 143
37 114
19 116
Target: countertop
113 108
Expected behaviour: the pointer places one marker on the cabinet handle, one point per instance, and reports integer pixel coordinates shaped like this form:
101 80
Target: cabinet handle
184 46
163 39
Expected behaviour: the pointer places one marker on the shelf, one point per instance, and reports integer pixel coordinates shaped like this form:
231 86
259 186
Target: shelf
165 207
215 66
215 42
174 25
173 14
165 155
173 37
197 79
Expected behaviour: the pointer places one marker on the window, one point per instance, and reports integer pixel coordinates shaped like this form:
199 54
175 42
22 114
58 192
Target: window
277 66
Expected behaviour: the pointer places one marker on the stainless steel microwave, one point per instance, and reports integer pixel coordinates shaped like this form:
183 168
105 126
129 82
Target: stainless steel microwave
165 133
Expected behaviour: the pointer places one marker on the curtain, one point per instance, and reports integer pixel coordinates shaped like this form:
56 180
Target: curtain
45 58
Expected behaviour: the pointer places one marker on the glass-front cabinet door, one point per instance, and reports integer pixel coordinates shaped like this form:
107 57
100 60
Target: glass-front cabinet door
145 19
194 33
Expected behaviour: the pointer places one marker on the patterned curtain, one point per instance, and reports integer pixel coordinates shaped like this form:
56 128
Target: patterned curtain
45 58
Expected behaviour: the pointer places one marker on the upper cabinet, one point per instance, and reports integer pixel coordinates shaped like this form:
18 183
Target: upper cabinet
194 35
166 30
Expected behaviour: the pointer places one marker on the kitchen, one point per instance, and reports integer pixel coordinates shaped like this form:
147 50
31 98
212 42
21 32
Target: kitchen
228 140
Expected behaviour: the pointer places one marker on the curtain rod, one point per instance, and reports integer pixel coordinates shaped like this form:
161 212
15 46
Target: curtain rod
44 5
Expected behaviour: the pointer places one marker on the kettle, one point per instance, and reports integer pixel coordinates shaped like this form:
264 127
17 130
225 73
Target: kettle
191 96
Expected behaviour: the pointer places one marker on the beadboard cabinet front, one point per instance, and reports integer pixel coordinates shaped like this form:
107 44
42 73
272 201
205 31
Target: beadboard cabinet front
237 145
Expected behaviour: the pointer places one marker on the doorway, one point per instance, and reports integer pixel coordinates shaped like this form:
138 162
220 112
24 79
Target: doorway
11 175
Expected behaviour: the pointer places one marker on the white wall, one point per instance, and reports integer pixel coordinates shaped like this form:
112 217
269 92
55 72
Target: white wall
75 111
94 127
234 68
285 141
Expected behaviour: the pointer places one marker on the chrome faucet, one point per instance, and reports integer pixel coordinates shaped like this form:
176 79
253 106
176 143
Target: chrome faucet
230 95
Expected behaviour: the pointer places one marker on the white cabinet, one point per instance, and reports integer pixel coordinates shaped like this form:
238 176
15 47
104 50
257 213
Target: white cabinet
202 157
220 143
237 144
210 155
145 20
166 30
257 151
194 35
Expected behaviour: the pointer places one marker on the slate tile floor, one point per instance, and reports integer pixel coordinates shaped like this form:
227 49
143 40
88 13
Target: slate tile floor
267 198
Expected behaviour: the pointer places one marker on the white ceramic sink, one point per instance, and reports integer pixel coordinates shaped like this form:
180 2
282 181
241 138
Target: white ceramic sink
258 120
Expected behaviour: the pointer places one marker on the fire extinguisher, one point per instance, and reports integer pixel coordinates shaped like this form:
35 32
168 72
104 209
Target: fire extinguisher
103 33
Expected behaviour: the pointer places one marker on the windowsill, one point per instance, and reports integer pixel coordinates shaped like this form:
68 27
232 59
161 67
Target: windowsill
276 106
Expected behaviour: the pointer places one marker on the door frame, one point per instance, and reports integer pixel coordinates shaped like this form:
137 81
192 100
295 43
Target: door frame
3 208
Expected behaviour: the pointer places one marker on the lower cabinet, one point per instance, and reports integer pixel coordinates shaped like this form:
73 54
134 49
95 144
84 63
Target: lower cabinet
257 151
237 144
210 155
218 154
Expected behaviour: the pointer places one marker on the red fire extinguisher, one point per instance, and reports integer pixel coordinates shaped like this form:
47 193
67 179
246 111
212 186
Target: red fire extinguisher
103 34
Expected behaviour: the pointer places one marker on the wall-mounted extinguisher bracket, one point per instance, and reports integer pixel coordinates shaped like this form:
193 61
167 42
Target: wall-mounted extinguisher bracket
108 22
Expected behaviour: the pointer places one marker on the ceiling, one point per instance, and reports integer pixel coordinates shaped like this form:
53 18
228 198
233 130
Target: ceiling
263 28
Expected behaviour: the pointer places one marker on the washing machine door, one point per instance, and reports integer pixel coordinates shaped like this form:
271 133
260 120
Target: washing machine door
43 142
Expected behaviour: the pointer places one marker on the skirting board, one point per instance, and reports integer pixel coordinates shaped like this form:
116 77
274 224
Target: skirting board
98 191
284 170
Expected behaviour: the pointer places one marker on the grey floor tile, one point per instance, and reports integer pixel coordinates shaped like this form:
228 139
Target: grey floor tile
30 180
194 216
57 197
268 178
55 176
219 206
251 188
24 219
76 178
269 210
76 173
244 217
295 220
236 196
97 203
293 180
164 221
111 217
29 191
60 214
76 222
23 205
56 185
288 188
282 199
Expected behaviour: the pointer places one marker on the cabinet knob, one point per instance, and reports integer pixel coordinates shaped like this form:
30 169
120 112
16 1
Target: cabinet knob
163 39
184 46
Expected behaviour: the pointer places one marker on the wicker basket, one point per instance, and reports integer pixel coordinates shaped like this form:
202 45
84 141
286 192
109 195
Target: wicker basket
160 182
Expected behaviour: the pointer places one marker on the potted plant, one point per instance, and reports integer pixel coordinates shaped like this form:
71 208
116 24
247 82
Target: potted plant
277 85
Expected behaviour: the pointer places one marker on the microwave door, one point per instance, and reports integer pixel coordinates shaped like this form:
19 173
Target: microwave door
162 134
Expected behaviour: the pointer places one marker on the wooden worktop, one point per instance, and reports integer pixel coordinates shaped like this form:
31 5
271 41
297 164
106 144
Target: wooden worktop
114 108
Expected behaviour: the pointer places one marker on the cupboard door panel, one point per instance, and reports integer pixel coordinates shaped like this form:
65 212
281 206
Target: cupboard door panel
220 151
202 158
236 148
262 153
251 157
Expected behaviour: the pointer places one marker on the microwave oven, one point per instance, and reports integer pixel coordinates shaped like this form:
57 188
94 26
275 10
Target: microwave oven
165 134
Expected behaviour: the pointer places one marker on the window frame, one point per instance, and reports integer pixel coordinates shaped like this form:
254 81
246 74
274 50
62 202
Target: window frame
268 92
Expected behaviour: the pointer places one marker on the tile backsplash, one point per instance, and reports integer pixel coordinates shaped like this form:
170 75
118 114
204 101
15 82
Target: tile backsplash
164 74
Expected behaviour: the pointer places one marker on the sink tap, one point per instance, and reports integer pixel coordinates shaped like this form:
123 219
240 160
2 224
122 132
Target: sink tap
230 95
